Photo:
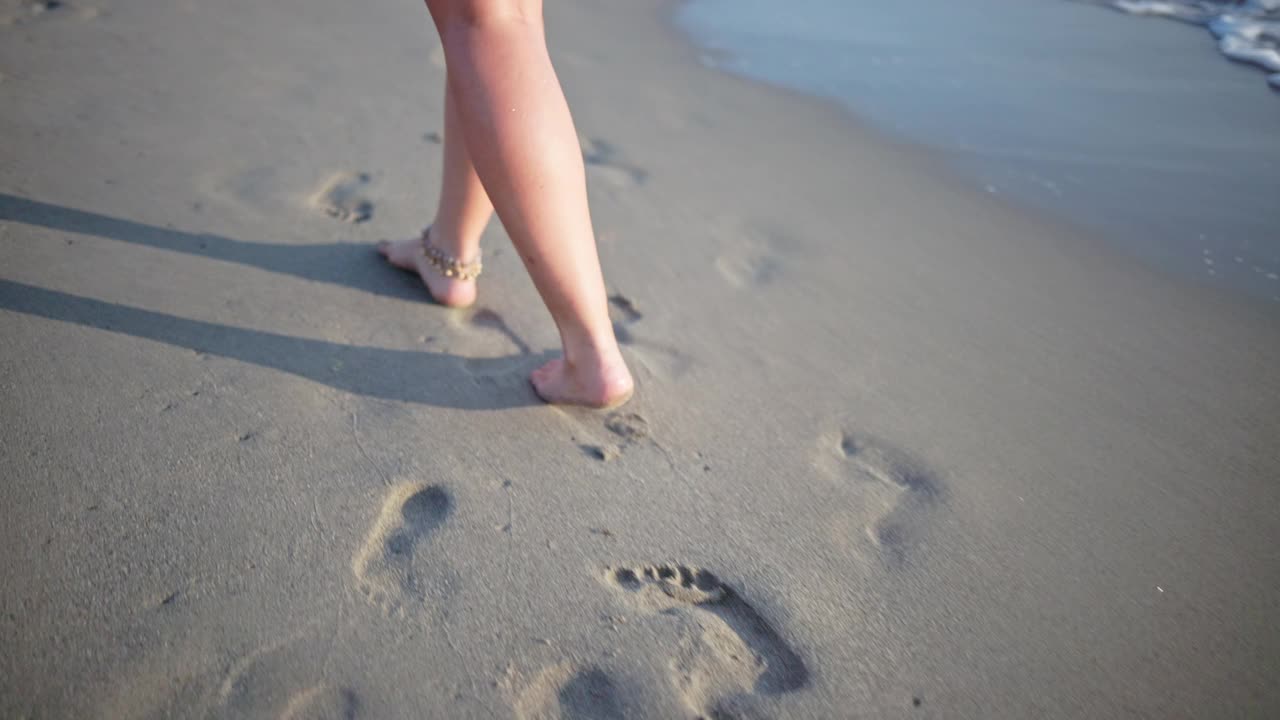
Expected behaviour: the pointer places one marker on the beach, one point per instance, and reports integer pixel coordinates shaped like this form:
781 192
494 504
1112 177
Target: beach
900 447
1127 125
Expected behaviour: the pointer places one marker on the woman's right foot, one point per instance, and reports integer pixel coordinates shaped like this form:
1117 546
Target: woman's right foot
601 385
407 255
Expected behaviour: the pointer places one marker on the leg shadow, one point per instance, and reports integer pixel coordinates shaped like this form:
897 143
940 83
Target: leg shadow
353 265
428 378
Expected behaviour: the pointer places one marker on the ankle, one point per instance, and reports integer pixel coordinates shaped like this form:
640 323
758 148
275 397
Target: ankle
463 246
588 350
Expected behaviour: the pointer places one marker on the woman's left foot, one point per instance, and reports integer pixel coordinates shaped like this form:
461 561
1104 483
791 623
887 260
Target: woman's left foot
407 255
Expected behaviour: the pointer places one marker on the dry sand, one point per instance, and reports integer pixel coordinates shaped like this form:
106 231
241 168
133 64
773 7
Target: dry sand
899 449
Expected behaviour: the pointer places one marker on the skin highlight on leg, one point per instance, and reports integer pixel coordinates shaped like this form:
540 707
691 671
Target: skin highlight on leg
461 216
464 209
521 139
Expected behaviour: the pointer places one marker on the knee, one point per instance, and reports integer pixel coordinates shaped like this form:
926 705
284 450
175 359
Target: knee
469 15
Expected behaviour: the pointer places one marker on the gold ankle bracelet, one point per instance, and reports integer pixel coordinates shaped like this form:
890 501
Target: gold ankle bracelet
448 265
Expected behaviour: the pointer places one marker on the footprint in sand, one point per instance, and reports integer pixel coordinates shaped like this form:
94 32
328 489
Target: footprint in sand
266 682
659 358
42 10
342 197
751 251
748 266
628 429
564 692
384 565
624 309
896 489
623 312
737 652
322 702
631 427
604 161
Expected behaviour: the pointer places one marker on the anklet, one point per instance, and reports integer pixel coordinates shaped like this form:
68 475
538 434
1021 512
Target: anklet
448 265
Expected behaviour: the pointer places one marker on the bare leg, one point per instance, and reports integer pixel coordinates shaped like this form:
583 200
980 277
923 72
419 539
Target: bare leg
461 215
521 139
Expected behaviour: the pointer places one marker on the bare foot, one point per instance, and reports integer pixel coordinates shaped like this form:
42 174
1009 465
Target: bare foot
604 385
407 255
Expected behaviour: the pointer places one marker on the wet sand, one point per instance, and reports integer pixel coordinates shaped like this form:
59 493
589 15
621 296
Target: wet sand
900 448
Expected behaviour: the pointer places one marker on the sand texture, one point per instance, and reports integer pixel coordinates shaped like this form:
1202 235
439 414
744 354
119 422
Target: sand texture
899 448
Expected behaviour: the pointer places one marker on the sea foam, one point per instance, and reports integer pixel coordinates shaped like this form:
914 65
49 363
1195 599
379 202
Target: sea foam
1247 30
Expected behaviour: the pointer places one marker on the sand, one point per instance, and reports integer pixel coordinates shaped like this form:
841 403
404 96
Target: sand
900 448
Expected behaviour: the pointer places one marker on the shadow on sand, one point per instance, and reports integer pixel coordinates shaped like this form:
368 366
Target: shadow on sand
343 263
439 379
429 378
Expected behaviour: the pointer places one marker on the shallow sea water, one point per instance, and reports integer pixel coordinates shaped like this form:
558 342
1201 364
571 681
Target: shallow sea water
1137 128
